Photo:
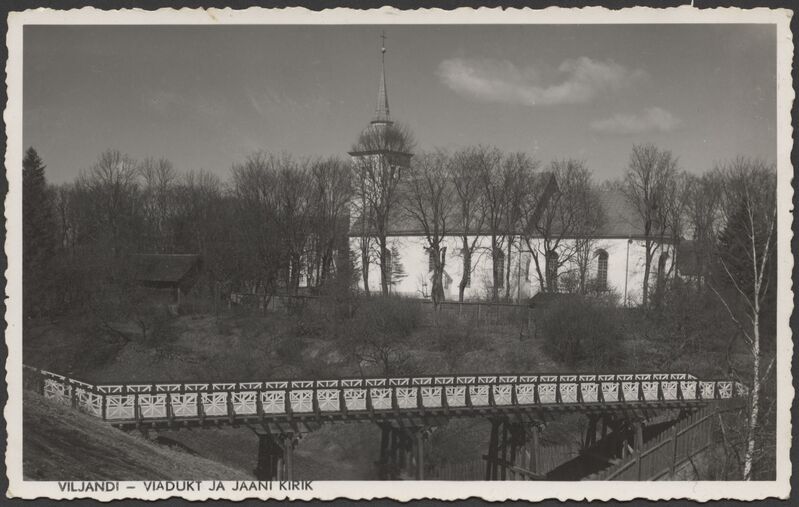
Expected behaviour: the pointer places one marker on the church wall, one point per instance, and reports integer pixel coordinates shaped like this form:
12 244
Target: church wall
524 282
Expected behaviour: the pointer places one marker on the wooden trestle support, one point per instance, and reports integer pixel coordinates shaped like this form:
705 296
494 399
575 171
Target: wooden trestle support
275 456
513 451
402 451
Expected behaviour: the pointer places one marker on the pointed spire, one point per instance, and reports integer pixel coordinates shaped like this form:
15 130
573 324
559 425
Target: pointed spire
382 114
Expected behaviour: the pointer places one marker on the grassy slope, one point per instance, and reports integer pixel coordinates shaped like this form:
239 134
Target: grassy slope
63 444
244 347
238 346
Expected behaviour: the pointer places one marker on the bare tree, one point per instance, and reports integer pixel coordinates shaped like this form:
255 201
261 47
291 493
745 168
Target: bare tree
518 172
63 204
160 179
499 181
203 214
470 216
261 256
110 201
747 260
650 175
703 201
294 210
332 187
429 202
363 217
381 155
671 224
563 232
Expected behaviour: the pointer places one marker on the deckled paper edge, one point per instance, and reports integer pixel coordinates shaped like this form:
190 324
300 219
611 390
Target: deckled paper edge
702 491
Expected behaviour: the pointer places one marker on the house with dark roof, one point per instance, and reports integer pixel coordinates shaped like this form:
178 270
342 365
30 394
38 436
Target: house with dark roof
168 276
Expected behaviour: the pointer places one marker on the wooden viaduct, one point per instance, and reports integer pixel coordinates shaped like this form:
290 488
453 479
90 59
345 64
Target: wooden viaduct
616 406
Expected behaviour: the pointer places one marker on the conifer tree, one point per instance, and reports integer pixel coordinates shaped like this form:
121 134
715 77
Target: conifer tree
38 238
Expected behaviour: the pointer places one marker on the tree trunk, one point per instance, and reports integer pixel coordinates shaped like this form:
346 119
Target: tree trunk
438 273
507 268
494 271
755 408
365 265
647 269
385 272
467 268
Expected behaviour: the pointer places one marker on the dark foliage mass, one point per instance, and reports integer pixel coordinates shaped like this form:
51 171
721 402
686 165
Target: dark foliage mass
583 332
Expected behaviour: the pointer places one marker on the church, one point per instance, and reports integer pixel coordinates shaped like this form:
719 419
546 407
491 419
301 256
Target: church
615 263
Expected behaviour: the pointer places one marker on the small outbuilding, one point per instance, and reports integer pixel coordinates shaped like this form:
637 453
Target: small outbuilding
170 275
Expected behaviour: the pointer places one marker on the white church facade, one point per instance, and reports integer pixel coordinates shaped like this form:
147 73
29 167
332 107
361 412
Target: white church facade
617 251
617 262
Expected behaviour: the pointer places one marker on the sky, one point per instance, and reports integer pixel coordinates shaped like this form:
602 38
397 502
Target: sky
205 97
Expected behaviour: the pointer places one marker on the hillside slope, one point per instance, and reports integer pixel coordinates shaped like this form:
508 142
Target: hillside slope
63 444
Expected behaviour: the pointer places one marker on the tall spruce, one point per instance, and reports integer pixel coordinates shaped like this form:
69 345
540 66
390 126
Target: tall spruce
38 234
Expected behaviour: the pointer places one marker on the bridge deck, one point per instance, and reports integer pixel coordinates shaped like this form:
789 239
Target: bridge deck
290 403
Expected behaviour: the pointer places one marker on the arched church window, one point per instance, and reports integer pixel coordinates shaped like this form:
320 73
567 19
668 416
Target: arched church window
528 260
601 270
389 264
662 260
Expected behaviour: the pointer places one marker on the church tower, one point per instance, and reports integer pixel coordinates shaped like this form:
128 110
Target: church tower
382 140
382 113
380 157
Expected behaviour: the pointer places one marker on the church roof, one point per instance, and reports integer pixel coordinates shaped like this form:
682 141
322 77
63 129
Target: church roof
621 220
402 224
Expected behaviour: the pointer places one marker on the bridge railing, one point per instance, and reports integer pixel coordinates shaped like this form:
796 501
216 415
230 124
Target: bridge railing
126 402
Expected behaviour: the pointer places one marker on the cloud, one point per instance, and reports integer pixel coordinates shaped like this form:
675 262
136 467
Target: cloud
652 119
576 81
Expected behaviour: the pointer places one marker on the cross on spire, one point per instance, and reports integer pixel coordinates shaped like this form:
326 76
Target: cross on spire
382 114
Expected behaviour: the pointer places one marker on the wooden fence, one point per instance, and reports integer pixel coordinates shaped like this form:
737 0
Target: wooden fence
479 313
667 452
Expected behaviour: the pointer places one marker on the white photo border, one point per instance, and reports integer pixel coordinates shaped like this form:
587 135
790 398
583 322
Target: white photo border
326 490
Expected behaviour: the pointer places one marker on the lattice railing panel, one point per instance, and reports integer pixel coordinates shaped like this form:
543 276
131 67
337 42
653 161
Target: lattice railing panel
157 401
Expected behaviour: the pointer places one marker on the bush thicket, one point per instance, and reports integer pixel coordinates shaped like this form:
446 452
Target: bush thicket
582 332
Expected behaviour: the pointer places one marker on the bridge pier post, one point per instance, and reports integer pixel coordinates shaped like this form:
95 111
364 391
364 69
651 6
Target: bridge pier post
419 454
383 464
535 451
493 445
638 444
275 456
401 452
590 432
513 450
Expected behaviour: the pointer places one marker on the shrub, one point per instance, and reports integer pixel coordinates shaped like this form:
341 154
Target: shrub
456 337
582 332
392 314
377 336
309 325
289 350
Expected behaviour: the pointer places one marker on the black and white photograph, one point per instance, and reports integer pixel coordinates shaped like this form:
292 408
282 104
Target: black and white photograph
256 255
